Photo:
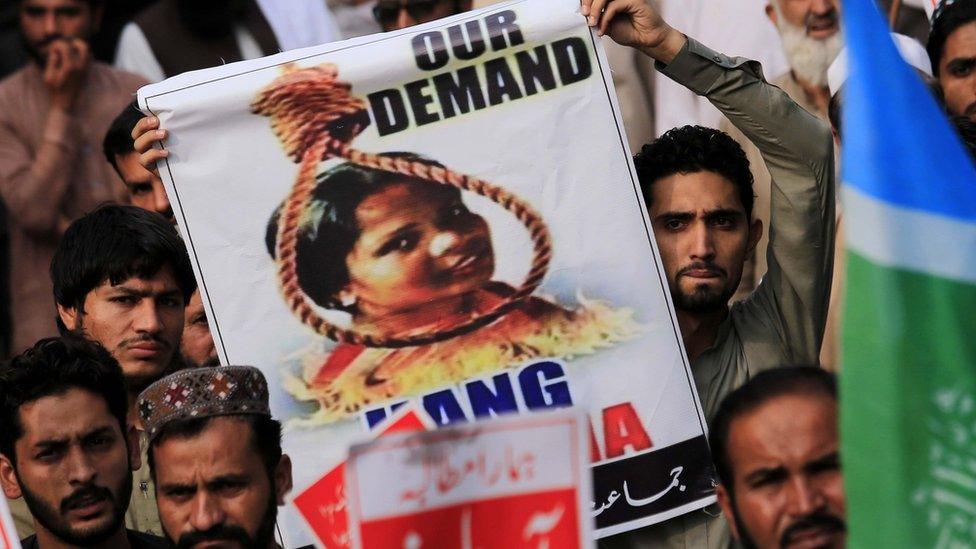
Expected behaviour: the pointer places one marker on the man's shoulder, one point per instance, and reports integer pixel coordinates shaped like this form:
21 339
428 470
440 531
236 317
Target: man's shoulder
17 81
141 540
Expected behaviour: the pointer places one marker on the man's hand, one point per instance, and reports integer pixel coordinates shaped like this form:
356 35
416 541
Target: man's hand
67 65
634 23
144 135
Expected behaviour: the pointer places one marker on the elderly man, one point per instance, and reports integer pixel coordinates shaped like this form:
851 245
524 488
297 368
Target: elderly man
215 455
66 447
776 449
53 114
697 187
952 52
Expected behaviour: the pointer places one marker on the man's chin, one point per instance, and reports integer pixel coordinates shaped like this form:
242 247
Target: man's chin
703 298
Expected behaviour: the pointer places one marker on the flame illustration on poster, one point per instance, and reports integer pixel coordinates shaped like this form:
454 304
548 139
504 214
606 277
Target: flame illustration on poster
395 347
446 218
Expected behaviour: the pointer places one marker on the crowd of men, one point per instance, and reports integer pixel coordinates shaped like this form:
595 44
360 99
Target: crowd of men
108 323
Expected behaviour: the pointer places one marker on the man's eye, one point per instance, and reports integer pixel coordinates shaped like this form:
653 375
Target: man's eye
125 299
961 70
170 302
51 454
674 224
100 442
723 221
140 189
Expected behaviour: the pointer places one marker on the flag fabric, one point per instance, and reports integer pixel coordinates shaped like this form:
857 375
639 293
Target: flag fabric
908 383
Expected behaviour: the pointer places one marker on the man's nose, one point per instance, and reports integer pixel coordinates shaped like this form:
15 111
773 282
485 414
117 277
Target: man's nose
703 244
50 23
81 468
404 19
161 202
822 7
804 497
148 318
206 513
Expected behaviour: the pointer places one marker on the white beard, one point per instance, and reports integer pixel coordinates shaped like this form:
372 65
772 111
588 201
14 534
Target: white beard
808 57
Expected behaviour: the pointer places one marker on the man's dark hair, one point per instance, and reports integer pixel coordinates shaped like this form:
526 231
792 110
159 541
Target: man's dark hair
948 17
116 243
692 149
93 3
329 229
118 139
52 367
765 386
265 440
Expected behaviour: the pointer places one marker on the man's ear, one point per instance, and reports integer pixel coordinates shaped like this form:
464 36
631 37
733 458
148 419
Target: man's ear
282 479
771 13
69 316
132 443
8 478
725 502
755 233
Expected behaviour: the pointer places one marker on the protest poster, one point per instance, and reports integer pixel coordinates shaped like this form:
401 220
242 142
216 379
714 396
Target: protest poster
516 482
446 215
8 533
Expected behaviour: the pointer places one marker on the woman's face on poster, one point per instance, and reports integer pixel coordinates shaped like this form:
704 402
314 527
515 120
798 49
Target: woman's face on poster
418 244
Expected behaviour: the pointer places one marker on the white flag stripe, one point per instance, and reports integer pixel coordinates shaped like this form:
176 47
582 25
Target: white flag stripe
909 239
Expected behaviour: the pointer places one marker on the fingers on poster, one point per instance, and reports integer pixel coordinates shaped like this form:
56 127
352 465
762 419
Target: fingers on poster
444 216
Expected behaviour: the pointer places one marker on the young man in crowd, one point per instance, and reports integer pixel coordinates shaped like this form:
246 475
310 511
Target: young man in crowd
215 454
952 51
776 450
121 278
698 190
146 190
66 447
53 114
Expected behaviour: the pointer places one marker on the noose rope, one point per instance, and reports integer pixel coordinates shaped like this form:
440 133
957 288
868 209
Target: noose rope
316 116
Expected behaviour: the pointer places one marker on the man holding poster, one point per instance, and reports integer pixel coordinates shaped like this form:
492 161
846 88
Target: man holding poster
701 211
386 277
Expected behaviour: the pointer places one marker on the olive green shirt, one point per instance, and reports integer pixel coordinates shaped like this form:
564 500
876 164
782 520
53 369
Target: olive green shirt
782 321
142 515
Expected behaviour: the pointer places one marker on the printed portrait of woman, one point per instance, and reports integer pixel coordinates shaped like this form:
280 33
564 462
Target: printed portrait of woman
403 257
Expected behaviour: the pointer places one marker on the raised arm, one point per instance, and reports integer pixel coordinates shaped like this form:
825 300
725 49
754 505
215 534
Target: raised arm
791 302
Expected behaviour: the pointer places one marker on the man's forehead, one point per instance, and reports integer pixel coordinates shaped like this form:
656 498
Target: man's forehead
161 282
790 429
53 4
223 447
695 192
68 414
961 43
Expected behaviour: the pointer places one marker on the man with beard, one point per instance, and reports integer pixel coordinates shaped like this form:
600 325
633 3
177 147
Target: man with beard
65 447
952 51
175 36
215 455
697 186
121 278
775 445
53 114
812 38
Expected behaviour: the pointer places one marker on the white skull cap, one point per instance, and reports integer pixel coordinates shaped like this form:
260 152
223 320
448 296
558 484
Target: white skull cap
911 51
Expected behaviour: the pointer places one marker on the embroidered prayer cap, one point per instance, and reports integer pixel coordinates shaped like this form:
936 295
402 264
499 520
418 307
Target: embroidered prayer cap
203 392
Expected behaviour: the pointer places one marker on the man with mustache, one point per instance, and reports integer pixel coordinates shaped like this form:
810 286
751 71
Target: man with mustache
775 445
215 455
698 190
53 114
122 278
65 446
952 51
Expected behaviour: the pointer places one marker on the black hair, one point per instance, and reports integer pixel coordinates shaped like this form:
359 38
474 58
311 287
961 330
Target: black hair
966 131
765 386
118 139
52 367
948 17
692 149
115 243
266 437
329 230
